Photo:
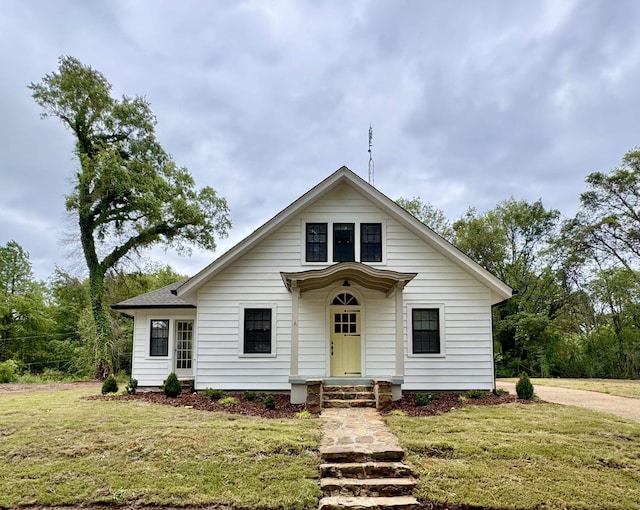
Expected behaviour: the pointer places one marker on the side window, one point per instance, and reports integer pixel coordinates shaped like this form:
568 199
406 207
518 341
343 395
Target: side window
316 242
257 331
343 246
159 338
425 329
371 242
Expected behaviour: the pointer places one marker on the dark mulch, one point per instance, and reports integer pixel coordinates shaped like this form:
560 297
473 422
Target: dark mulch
446 402
284 408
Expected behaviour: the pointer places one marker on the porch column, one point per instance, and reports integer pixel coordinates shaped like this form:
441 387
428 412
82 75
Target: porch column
295 295
399 331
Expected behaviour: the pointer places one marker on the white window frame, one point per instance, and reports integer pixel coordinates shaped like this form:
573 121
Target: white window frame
357 239
169 338
274 322
409 318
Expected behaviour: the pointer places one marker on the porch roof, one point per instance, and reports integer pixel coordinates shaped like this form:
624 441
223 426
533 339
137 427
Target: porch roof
382 280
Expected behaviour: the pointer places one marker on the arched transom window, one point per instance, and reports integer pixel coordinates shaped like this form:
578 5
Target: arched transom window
345 299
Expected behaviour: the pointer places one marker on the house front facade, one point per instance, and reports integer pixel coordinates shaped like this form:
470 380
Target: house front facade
342 285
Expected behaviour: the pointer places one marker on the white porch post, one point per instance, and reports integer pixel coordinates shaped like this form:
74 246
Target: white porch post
399 331
295 295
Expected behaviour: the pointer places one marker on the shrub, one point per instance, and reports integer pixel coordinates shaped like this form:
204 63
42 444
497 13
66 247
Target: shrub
397 412
423 399
214 394
270 402
132 386
228 401
252 396
501 392
171 387
476 394
304 415
524 388
110 385
8 371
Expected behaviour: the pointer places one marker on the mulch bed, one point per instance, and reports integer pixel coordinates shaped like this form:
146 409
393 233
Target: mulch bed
285 409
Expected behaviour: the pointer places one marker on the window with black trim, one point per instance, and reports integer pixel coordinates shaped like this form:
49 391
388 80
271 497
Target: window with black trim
159 338
343 246
425 324
371 242
316 240
257 330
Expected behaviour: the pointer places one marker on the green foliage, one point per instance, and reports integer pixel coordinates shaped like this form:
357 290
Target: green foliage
524 388
8 371
270 402
228 401
424 399
304 415
476 394
397 412
214 394
252 396
501 392
431 216
171 387
132 387
110 385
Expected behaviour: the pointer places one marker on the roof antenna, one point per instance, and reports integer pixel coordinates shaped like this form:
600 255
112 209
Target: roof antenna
371 165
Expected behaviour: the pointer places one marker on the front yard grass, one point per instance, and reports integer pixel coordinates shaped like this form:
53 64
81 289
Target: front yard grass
619 387
524 457
59 449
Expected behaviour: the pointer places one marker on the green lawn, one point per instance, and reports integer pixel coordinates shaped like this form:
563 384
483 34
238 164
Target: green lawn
59 449
524 457
619 387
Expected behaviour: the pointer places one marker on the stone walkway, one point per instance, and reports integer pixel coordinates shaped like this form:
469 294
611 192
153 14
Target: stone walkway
362 463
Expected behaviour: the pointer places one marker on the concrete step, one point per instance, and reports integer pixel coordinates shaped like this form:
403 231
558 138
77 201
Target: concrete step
368 503
371 487
366 470
348 395
348 387
333 403
340 454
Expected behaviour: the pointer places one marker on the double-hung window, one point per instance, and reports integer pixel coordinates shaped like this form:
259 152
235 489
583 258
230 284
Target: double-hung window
316 242
371 242
257 330
159 338
425 331
343 245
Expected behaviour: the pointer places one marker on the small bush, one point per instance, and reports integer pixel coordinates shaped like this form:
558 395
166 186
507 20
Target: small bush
110 385
304 415
228 401
132 386
524 388
252 396
270 402
214 394
424 399
501 392
171 387
8 371
476 394
397 412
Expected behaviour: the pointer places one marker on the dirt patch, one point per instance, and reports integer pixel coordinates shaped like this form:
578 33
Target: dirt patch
18 388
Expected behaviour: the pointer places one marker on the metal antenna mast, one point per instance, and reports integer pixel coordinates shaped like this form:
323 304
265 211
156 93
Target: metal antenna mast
371 164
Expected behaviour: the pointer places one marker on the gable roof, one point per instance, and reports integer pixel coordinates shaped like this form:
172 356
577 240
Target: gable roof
164 297
500 291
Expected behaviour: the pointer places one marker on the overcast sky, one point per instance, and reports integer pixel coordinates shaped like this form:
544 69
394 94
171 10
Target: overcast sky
471 102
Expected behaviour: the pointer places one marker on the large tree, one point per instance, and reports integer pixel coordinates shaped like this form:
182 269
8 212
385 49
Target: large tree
128 194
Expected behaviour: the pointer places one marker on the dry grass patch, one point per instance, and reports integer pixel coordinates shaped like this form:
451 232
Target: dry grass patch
524 457
59 449
619 387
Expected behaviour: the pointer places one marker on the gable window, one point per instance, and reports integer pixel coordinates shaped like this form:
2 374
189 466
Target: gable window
425 330
159 338
316 242
257 330
371 242
343 246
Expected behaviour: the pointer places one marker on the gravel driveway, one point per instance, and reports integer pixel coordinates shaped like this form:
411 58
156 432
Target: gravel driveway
620 406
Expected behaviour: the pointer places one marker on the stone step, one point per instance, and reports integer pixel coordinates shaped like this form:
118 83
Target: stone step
372 487
368 503
339 454
348 395
350 388
366 470
341 403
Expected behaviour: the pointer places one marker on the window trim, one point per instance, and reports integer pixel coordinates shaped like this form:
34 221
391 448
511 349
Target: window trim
241 320
441 326
151 320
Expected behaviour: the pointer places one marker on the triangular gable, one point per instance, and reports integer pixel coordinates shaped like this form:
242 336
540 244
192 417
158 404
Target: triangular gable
499 290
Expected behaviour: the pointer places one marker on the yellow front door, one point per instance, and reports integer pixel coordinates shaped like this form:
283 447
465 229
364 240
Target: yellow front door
345 342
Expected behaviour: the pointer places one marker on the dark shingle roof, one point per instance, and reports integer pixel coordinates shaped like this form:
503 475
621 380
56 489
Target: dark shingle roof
159 298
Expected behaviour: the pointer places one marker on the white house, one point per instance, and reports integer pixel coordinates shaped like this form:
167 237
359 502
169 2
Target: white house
343 284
